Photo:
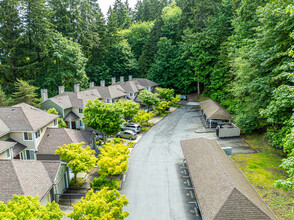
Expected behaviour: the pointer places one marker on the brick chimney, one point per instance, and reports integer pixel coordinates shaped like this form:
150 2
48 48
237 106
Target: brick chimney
113 80
102 83
60 89
77 87
91 84
121 78
130 77
44 94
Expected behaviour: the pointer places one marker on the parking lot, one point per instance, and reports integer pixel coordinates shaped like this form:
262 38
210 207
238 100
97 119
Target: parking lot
154 184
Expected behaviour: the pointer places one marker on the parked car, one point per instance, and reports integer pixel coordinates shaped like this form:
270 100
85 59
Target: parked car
128 134
183 97
134 127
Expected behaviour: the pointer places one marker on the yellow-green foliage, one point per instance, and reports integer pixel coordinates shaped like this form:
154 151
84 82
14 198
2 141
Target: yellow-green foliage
79 159
103 205
175 101
27 208
166 94
262 170
162 106
113 159
129 108
143 117
61 122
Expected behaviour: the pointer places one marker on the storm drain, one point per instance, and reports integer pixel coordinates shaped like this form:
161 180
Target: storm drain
188 190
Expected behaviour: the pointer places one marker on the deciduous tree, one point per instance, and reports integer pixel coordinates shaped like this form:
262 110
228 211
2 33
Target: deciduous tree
148 98
104 204
28 207
129 108
78 159
103 117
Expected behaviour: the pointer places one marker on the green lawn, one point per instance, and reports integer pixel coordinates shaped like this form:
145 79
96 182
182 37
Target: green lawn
262 169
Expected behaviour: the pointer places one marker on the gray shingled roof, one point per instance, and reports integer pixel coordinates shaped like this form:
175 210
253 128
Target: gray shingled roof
130 86
56 137
71 116
144 82
25 177
222 191
23 117
214 110
4 145
17 148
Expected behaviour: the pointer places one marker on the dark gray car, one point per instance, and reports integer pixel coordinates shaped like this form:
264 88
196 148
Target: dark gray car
128 134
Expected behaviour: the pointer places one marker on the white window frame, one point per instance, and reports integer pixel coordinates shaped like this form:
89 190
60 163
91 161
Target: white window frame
21 156
81 110
81 124
108 101
132 94
148 88
55 122
8 152
30 154
27 134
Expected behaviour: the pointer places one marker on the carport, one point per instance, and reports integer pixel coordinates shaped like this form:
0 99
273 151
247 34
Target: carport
221 189
214 113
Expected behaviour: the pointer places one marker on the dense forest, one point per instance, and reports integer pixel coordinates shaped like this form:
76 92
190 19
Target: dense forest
238 52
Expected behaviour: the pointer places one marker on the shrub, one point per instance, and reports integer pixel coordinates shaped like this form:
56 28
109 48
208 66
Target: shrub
103 181
143 117
162 106
78 184
175 101
144 129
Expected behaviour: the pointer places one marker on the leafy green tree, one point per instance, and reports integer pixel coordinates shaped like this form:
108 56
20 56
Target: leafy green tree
113 159
166 94
129 108
65 64
163 106
104 204
3 98
120 60
26 93
61 122
103 117
136 36
287 164
78 159
143 117
28 207
148 98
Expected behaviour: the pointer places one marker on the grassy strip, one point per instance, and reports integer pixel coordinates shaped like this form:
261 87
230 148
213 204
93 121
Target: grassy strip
262 169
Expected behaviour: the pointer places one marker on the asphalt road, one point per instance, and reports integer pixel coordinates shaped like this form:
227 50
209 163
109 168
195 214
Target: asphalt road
154 185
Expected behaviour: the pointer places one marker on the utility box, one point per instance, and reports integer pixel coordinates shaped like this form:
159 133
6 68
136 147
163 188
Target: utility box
227 130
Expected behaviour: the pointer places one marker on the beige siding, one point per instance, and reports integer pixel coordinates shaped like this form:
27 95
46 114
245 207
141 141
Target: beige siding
3 155
4 138
18 136
43 130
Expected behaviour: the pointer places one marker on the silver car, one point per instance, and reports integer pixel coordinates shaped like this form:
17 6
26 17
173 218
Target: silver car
128 134
134 127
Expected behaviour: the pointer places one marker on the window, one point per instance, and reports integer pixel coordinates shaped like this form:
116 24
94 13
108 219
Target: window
55 122
80 110
8 153
30 154
132 94
148 88
108 100
21 156
27 136
38 134
81 123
